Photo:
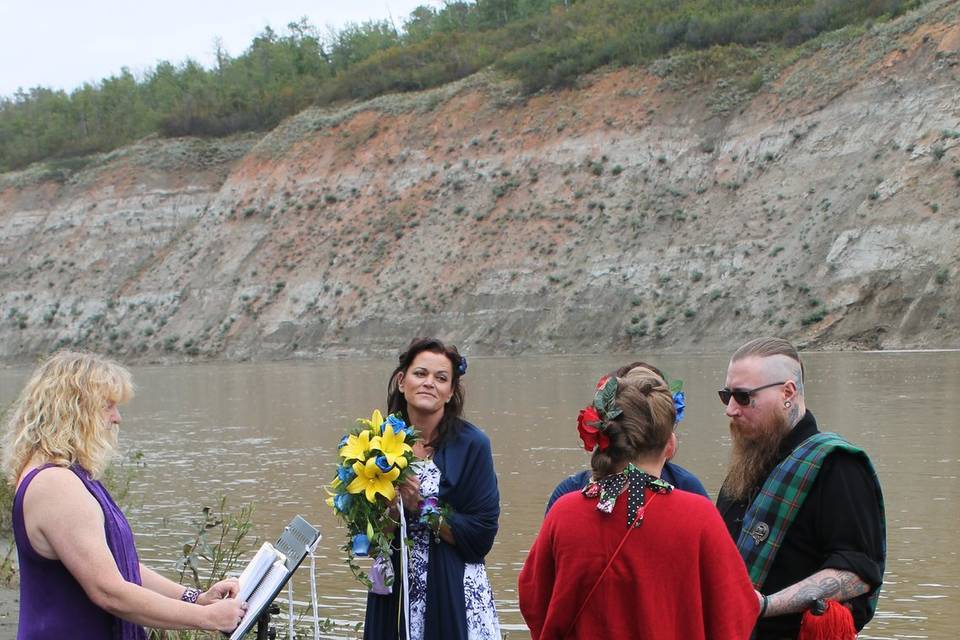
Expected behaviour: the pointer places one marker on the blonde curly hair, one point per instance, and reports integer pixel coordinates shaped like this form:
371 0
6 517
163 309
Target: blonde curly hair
60 414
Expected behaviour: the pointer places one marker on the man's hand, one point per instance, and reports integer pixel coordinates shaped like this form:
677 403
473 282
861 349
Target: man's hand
760 597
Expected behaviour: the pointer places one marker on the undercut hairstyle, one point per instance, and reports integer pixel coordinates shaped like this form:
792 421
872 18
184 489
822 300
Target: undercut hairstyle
453 410
60 414
768 347
644 427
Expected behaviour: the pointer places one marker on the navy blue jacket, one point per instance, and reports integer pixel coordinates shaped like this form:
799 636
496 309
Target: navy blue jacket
468 484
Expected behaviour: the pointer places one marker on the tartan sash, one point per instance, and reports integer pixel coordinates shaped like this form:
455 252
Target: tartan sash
776 506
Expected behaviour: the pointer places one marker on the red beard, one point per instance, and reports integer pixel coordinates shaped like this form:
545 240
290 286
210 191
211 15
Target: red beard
754 454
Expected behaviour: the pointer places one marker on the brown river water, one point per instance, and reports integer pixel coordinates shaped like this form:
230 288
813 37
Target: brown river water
266 434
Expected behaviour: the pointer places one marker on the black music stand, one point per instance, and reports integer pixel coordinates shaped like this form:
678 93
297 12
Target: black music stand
297 539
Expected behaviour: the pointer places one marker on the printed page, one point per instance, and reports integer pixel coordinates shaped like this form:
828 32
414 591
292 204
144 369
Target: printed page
254 572
261 597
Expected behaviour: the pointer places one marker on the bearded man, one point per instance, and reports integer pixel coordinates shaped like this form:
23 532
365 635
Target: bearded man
804 507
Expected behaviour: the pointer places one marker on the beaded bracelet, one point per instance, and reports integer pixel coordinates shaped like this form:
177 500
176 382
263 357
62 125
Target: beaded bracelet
190 594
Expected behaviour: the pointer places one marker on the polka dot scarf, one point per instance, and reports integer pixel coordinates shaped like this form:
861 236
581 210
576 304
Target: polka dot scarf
632 480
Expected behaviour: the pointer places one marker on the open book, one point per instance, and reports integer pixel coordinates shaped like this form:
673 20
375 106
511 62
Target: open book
264 574
271 567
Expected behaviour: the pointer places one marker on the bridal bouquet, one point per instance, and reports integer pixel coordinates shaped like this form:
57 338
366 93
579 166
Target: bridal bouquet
374 458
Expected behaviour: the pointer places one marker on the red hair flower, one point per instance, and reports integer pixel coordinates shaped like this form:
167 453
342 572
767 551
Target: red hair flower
587 424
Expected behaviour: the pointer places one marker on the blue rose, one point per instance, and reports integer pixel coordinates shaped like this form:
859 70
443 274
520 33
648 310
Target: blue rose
341 502
343 442
462 367
345 474
396 423
679 404
383 465
361 545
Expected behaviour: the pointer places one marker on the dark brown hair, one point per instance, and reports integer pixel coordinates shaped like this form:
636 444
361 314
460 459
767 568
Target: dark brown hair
397 403
645 425
627 368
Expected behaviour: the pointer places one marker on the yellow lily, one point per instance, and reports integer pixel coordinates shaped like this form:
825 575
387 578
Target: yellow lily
356 447
391 444
371 480
374 422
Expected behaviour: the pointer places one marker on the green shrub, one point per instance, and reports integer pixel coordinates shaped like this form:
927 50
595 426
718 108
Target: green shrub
637 330
814 317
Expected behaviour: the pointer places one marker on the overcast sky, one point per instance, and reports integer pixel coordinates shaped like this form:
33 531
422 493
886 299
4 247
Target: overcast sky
64 43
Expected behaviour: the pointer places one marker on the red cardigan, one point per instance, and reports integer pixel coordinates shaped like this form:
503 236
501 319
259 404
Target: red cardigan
678 577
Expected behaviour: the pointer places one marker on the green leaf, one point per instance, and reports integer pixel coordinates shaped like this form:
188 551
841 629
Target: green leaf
605 400
676 385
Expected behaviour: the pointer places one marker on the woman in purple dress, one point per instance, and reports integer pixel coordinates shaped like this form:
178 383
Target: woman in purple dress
80 576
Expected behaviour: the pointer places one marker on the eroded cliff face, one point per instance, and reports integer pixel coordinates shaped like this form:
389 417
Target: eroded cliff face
641 211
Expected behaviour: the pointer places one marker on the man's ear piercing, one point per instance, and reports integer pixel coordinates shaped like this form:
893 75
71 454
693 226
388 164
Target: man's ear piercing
786 404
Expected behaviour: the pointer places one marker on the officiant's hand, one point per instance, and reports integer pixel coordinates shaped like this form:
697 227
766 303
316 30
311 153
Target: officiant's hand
224 589
226 614
410 493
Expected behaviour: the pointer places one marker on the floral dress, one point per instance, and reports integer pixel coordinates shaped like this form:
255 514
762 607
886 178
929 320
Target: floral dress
482 622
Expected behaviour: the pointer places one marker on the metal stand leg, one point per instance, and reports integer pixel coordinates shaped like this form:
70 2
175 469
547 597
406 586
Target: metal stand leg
264 630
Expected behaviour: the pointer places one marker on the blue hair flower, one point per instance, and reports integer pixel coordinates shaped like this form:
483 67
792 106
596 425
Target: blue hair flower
679 403
361 545
462 367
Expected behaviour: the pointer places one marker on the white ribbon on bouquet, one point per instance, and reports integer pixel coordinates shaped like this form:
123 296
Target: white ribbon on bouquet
404 572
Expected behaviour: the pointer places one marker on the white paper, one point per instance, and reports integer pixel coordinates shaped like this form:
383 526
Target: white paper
260 596
258 567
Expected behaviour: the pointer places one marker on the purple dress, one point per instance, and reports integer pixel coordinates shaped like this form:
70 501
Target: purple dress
52 602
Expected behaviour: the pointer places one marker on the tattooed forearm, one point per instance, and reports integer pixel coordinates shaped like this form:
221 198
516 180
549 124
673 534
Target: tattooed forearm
832 584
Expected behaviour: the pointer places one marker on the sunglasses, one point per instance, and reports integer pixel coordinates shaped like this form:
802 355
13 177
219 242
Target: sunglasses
742 396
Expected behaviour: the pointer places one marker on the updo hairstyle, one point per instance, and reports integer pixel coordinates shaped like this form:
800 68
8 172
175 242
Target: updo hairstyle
645 426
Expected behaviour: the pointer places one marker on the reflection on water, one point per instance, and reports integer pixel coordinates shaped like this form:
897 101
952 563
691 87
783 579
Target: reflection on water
266 434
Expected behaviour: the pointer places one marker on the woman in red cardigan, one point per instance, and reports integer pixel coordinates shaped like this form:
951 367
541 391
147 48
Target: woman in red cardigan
629 556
